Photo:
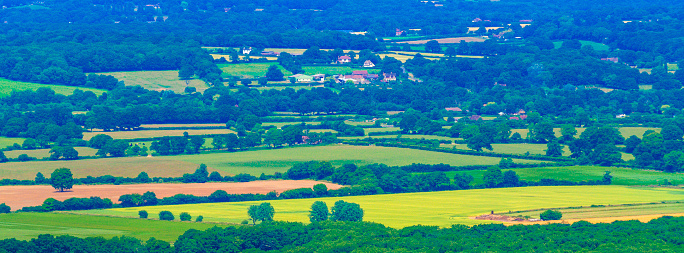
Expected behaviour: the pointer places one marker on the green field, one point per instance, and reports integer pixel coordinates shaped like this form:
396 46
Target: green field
156 133
597 46
255 70
253 162
279 160
25 226
403 136
517 148
621 176
157 80
625 131
6 141
7 86
432 208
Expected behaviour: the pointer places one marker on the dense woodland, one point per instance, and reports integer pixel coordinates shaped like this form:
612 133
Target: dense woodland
660 235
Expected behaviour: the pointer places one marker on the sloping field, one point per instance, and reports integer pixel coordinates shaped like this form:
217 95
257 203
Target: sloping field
434 208
445 40
7 86
279 160
155 133
163 126
157 80
33 195
625 131
6 141
25 226
252 162
118 167
621 176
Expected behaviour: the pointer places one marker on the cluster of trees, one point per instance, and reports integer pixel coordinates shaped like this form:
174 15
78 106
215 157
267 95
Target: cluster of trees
70 204
341 211
660 151
263 212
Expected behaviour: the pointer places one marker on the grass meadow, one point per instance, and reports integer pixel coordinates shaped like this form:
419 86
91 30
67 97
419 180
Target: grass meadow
7 141
157 80
156 133
7 86
597 46
611 211
621 176
254 70
255 162
279 160
432 208
625 131
25 226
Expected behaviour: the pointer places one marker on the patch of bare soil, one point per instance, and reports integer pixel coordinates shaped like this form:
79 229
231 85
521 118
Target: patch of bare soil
33 195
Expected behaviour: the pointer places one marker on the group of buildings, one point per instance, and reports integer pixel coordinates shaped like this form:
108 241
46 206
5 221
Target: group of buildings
356 77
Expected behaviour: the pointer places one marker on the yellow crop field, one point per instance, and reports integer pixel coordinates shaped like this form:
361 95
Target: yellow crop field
433 208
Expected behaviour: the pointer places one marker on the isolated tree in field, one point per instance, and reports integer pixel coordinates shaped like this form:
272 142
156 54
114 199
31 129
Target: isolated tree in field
5 208
274 74
492 177
607 178
166 215
62 179
319 212
253 213
199 218
185 216
551 215
433 47
553 148
345 211
143 214
186 72
265 212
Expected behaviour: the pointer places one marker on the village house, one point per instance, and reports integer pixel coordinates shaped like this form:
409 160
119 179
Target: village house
453 109
475 117
368 64
270 53
389 77
398 32
613 59
318 77
246 50
344 59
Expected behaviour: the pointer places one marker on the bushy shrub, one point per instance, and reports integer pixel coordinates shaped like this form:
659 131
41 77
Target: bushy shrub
142 214
185 216
166 215
551 215
199 218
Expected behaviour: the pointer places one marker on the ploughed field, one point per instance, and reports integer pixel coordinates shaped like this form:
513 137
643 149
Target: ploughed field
434 208
33 195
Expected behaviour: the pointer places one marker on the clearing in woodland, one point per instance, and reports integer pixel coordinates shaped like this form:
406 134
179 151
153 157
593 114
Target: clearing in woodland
34 195
430 208
7 86
157 80
156 133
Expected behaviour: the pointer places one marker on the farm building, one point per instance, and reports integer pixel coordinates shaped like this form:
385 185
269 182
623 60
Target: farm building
368 64
613 59
344 59
270 53
453 109
246 50
318 77
475 117
302 78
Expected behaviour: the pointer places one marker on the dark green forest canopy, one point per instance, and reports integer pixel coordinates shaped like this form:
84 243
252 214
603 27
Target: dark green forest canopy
660 235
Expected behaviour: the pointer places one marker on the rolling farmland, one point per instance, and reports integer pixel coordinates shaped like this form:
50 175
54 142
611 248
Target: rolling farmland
434 208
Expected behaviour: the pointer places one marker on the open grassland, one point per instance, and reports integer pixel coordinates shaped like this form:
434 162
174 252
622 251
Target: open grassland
6 141
625 131
34 195
621 176
279 160
672 67
43 153
163 126
255 70
403 136
157 80
251 162
381 129
432 208
25 226
513 148
597 46
281 124
155 133
7 86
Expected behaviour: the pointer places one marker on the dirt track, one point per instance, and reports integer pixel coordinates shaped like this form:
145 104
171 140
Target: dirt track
32 195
